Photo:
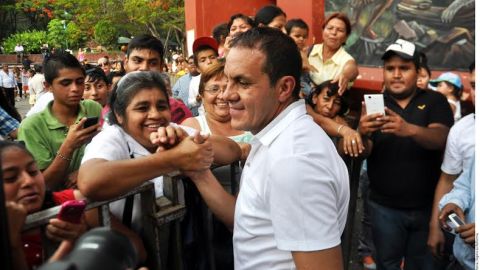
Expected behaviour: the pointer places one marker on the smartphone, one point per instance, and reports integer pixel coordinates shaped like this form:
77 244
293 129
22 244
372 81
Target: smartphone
374 104
90 122
72 211
455 221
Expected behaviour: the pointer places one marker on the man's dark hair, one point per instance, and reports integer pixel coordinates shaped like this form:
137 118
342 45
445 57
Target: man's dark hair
58 61
281 52
267 13
423 63
96 74
201 49
149 42
220 32
244 17
471 68
295 23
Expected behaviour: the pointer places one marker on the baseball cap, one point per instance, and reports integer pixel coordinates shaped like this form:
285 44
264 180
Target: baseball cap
205 41
449 77
405 49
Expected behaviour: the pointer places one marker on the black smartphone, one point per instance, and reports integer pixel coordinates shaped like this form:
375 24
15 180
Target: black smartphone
90 122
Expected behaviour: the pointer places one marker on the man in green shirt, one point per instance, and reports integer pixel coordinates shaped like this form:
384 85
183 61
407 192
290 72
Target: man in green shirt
56 136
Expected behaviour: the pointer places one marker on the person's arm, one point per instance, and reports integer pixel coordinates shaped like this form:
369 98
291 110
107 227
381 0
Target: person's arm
348 74
328 259
219 201
432 137
436 239
56 173
102 179
225 150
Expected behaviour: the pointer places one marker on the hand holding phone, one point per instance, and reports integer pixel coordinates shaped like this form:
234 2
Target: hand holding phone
374 104
455 221
90 122
72 211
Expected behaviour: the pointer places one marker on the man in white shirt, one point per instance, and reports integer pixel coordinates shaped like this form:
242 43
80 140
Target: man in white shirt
8 84
19 51
292 205
36 84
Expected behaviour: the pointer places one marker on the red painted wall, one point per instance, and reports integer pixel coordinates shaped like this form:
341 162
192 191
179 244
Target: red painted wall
311 11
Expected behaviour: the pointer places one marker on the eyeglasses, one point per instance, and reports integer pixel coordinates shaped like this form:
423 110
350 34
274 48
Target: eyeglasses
104 64
215 89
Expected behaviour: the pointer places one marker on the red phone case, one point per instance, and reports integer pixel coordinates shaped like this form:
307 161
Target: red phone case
72 211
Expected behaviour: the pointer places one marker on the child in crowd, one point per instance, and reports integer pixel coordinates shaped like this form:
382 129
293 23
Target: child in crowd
97 88
450 85
424 73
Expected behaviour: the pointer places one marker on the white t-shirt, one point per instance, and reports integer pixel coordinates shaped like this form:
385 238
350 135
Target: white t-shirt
36 85
460 147
113 143
294 193
40 104
193 93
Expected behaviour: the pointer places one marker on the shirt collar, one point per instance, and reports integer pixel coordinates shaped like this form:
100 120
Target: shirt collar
336 58
52 121
269 133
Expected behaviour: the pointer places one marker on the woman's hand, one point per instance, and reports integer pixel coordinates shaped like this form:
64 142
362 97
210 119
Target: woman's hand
342 82
167 137
352 142
60 230
16 214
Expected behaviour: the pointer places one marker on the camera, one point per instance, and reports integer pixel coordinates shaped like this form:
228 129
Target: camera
99 248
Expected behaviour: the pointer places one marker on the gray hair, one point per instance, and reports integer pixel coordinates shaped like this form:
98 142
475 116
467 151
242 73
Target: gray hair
128 86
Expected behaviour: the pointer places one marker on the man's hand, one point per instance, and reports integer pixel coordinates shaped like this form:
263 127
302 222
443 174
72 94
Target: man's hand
467 233
78 135
60 230
396 125
447 210
167 137
195 153
369 123
436 240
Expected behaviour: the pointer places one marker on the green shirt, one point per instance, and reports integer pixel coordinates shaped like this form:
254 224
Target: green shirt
43 134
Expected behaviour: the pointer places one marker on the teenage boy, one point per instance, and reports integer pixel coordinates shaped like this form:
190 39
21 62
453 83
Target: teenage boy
145 52
56 136
205 54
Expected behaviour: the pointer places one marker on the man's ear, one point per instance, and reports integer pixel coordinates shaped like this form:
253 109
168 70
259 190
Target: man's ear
285 86
120 119
47 86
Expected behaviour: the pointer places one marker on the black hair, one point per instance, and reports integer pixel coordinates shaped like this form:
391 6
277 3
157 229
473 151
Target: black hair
146 42
282 57
128 86
471 67
295 23
201 49
57 61
96 74
267 13
4 145
220 32
244 17
37 68
332 90
423 63
114 74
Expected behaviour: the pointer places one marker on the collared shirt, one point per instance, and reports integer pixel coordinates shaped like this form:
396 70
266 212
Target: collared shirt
7 123
463 195
43 134
195 106
397 165
329 69
180 89
36 85
7 79
293 196
460 147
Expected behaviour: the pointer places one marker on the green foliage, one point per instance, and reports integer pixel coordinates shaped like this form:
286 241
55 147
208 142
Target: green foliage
31 41
57 35
106 33
75 36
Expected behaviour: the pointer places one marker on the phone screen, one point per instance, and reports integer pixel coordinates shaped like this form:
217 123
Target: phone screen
90 122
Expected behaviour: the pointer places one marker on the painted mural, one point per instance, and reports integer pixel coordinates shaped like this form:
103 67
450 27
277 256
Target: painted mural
443 29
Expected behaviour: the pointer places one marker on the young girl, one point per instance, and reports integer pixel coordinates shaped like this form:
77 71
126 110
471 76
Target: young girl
450 85
24 184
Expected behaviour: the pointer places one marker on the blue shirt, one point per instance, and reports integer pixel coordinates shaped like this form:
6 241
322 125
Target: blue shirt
180 89
463 195
7 123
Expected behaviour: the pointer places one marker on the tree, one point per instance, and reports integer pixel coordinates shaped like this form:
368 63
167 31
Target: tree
57 34
105 33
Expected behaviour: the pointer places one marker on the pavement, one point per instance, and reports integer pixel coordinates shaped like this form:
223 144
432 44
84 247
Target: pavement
22 106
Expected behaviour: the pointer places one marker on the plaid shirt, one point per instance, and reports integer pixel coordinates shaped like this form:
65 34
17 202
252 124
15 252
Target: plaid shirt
7 123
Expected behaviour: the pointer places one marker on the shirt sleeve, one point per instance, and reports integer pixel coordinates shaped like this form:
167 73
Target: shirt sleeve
452 159
460 194
63 196
440 111
303 205
192 93
109 144
176 88
7 123
36 141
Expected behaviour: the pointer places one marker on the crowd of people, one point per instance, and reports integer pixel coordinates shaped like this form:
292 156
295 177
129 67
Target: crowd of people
255 93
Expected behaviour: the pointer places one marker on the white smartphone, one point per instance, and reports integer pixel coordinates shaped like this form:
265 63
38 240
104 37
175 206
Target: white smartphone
374 104
455 221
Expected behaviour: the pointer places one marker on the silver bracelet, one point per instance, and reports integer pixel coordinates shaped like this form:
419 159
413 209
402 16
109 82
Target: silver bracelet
63 157
339 128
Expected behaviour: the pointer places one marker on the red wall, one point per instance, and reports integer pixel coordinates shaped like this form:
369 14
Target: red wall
311 11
